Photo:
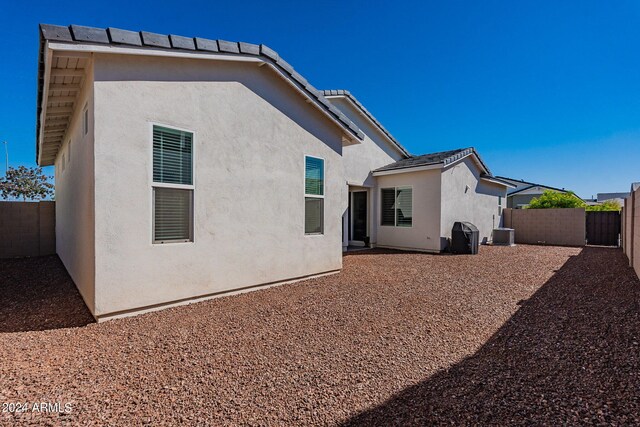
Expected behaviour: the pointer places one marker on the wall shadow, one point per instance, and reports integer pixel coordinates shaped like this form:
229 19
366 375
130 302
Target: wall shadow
570 354
38 294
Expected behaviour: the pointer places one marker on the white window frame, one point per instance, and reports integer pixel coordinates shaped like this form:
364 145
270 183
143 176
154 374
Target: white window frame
316 196
191 187
395 211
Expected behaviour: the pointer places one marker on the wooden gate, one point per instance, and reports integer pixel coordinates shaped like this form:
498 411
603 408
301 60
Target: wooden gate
603 228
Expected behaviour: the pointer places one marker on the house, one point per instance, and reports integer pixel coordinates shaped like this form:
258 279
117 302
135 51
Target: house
523 192
616 197
186 168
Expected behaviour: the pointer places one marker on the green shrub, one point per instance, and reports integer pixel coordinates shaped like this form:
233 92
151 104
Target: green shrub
609 205
555 199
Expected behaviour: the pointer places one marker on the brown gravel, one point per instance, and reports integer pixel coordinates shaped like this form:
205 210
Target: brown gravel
535 335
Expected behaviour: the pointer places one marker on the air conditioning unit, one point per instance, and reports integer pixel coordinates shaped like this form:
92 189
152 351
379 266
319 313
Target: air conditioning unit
504 237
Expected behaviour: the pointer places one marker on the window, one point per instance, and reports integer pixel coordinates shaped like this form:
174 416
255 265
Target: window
397 206
313 195
85 121
69 151
499 205
172 185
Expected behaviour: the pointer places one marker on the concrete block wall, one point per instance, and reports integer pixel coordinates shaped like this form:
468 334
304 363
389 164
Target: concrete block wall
561 227
27 229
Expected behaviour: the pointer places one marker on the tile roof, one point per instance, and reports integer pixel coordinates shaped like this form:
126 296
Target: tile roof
347 94
443 157
114 36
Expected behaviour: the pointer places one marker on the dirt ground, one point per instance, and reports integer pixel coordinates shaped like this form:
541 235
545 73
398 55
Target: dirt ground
521 335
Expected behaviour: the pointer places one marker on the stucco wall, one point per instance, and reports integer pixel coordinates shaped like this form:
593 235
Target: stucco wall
466 198
374 152
627 226
425 232
75 197
635 239
562 227
361 159
27 229
251 132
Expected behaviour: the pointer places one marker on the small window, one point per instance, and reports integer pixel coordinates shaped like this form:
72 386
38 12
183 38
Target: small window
173 185
69 150
85 121
64 161
499 205
313 195
397 206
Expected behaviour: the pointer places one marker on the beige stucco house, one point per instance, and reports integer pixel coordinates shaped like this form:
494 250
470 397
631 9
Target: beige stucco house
187 168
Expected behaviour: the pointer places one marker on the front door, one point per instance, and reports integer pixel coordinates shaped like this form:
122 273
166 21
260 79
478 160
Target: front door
359 215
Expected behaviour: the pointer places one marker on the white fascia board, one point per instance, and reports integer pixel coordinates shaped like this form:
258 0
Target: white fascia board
147 51
494 181
48 57
529 191
407 170
66 47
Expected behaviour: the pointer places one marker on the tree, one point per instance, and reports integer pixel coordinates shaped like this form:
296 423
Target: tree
608 205
26 184
555 199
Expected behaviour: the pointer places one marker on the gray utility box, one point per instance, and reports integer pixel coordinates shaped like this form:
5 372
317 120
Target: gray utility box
504 237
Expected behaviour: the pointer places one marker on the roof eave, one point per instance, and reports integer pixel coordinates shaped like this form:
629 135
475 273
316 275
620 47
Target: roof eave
494 180
63 38
408 169
368 116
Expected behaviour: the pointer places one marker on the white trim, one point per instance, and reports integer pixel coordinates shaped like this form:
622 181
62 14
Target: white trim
45 96
395 211
486 178
312 196
148 51
409 169
154 185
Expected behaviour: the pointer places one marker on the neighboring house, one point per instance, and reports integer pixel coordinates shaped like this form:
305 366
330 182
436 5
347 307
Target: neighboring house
616 197
524 191
187 168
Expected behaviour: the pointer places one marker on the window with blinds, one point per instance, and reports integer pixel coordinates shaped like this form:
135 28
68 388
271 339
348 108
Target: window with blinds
173 185
396 206
172 162
313 195
172 214
388 202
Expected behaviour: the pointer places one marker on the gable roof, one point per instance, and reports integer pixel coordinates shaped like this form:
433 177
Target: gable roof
443 157
561 190
530 185
366 113
114 37
440 160
601 197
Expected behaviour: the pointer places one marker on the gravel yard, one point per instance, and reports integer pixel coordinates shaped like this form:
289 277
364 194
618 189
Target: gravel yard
529 334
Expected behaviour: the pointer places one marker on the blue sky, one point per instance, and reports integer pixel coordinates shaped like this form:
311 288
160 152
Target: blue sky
547 91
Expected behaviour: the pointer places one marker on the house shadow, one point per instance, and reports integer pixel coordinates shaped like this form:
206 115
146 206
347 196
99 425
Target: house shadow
569 355
37 294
